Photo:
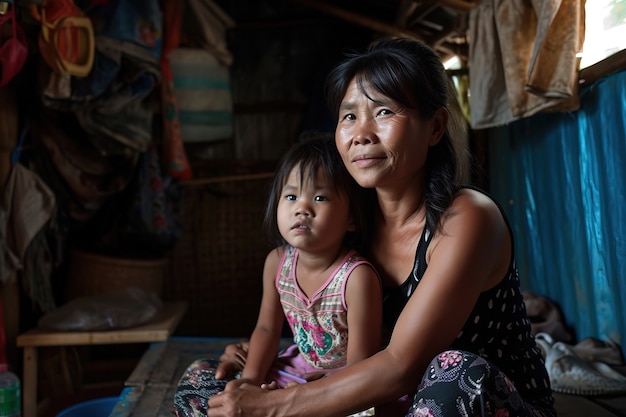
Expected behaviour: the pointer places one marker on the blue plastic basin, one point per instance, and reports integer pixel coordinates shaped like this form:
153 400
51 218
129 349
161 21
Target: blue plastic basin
100 407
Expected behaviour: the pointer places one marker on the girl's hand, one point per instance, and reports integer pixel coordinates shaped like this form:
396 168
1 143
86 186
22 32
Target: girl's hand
232 360
271 386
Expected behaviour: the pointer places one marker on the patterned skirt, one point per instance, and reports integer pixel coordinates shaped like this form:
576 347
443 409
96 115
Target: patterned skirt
456 383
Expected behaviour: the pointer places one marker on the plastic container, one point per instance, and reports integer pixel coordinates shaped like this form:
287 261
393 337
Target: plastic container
10 393
100 407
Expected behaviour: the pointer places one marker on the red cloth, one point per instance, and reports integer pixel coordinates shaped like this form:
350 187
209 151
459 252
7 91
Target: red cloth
174 155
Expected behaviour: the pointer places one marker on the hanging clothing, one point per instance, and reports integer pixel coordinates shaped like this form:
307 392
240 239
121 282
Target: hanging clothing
532 45
28 206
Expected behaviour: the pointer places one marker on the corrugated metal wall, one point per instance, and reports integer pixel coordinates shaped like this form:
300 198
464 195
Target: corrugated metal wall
562 180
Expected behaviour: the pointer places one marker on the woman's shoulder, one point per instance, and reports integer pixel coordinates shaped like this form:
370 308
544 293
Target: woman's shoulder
474 200
480 222
474 209
475 194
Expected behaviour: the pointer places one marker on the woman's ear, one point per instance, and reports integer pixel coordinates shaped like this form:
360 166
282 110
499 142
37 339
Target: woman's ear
439 123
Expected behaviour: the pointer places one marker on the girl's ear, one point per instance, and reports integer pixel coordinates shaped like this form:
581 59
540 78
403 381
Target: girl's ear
439 123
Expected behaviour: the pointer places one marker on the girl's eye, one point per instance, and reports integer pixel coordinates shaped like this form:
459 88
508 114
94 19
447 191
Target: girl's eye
290 197
320 198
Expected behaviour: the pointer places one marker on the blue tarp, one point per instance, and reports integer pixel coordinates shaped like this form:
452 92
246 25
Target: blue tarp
561 179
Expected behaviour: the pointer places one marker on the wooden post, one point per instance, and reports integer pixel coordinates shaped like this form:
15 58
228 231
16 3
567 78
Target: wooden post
9 292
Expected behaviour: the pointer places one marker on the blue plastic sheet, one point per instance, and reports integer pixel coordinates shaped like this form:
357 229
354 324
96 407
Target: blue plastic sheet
561 179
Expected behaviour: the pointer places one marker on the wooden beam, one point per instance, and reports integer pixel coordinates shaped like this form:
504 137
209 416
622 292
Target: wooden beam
414 12
458 5
446 31
449 49
607 66
213 180
361 20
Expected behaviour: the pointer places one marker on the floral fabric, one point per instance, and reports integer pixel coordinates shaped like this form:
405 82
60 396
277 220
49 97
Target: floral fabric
459 383
196 386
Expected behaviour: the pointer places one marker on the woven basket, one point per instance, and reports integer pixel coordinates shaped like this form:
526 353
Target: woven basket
93 274
217 265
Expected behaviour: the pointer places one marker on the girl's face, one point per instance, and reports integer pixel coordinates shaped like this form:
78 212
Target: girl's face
382 143
311 215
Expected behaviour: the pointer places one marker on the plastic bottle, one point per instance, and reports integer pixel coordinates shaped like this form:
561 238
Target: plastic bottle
10 398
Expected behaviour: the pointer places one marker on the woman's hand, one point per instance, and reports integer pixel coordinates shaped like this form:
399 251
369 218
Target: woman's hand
237 400
232 360
236 383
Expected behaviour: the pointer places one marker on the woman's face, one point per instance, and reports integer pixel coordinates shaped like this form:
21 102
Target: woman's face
312 216
382 143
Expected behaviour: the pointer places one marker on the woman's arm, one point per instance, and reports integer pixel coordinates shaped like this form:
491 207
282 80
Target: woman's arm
266 335
466 258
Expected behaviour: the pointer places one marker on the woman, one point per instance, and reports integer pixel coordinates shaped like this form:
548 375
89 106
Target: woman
460 341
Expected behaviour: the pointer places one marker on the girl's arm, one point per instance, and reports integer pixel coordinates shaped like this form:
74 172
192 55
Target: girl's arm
266 335
364 302
467 257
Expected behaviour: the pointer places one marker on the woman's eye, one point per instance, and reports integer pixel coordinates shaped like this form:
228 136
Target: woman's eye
349 116
385 112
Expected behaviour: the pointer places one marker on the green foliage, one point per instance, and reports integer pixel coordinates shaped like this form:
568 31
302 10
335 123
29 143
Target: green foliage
617 16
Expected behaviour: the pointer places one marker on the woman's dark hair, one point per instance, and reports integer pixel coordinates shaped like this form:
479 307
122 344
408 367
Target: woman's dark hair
412 74
312 152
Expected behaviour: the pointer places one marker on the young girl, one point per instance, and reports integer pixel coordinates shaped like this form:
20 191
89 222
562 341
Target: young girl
314 277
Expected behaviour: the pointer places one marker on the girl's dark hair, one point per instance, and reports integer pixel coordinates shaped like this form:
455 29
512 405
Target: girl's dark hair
312 152
412 74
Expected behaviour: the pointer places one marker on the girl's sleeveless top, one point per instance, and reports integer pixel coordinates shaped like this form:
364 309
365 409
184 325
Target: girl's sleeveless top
498 328
320 323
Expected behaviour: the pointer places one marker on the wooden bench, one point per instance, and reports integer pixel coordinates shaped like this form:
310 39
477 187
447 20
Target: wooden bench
157 330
